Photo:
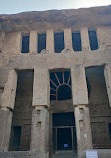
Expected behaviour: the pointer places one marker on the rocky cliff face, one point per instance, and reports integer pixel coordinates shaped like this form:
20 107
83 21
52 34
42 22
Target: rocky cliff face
57 19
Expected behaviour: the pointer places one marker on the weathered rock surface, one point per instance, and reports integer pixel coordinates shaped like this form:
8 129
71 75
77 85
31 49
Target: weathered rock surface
57 19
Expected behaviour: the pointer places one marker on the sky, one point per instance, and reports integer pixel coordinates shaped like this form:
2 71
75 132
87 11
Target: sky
16 6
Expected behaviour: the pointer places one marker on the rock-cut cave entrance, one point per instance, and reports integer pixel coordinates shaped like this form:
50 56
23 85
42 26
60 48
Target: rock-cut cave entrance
62 113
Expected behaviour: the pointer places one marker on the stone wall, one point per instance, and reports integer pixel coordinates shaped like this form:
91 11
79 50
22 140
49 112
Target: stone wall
12 61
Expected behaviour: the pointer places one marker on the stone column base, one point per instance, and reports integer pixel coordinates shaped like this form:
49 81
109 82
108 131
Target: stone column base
83 129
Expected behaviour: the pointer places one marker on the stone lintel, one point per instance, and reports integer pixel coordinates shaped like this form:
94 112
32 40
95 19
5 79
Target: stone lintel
85 39
79 87
8 95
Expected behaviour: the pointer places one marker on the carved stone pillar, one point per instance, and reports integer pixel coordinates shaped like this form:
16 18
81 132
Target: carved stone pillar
33 41
8 96
40 131
40 115
68 38
7 102
50 41
85 39
84 137
81 110
5 128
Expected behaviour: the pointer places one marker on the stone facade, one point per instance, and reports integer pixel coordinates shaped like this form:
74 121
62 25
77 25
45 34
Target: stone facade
25 104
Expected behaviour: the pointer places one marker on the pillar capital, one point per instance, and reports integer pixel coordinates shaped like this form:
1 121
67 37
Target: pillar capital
81 105
37 107
4 108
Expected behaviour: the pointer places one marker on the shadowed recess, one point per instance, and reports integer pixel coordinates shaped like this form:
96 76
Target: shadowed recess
93 40
76 41
25 44
60 85
41 42
58 42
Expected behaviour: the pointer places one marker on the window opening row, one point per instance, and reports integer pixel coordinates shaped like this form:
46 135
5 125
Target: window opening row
59 42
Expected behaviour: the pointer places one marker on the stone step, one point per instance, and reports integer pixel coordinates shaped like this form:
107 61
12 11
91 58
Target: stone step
65 154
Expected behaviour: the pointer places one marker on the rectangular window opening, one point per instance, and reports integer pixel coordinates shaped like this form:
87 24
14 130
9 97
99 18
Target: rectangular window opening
76 41
25 44
93 40
58 42
41 42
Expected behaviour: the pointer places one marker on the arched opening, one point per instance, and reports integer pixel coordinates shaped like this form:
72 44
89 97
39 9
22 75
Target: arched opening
62 118
64 92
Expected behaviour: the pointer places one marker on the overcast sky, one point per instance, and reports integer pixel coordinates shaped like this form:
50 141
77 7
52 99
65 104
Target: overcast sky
16 6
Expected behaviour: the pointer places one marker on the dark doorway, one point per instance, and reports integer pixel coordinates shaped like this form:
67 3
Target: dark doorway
64 139
17 135
64 131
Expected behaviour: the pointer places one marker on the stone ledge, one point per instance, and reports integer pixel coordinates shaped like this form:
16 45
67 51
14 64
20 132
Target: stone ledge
19 154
